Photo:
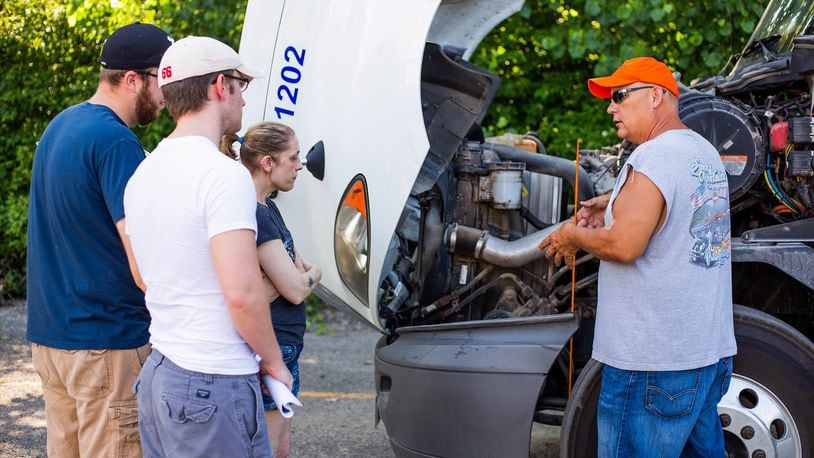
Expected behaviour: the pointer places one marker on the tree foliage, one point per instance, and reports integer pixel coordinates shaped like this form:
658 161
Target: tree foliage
546 53
50 50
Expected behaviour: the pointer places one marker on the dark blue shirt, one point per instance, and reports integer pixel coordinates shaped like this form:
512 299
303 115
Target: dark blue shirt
81 293
288 319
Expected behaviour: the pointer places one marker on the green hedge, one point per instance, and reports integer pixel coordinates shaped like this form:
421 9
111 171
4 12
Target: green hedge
546 53
50 50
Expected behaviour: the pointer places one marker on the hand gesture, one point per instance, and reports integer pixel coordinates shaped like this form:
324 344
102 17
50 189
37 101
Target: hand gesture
592 213
557 247
314 271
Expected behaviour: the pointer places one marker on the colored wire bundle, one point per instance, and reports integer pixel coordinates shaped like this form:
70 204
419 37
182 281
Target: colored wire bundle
796 207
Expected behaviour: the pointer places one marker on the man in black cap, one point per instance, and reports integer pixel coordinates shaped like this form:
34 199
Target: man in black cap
87 321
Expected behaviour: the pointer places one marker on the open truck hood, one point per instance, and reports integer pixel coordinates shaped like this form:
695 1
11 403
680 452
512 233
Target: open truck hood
349 74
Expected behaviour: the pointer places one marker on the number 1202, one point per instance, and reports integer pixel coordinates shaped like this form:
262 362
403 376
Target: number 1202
291 75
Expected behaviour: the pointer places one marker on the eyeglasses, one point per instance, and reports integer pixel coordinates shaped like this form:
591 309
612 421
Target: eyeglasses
244 82
619 95
146 73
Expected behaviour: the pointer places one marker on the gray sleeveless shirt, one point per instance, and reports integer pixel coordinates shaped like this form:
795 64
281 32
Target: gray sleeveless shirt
671 309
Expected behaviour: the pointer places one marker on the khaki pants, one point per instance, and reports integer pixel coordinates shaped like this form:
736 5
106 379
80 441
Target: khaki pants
90 409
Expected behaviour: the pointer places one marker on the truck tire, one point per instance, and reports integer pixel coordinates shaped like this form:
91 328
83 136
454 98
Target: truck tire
768 408
770 401
578 434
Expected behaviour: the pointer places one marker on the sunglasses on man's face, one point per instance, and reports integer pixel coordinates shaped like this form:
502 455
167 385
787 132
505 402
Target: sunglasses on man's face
620 94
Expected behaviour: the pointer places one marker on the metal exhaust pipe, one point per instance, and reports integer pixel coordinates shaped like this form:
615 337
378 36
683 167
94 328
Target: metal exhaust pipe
481 245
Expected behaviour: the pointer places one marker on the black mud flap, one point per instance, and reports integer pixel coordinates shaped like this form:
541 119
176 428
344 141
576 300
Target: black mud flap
466 389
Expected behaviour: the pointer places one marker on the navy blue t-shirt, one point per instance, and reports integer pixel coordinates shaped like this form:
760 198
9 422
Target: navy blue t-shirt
81 293
288 319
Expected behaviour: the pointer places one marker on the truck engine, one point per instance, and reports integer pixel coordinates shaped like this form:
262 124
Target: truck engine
466 247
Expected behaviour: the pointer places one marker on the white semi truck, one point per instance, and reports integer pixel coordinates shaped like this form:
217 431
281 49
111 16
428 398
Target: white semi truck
429 232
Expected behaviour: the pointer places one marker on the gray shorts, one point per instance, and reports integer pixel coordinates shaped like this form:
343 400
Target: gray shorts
191 414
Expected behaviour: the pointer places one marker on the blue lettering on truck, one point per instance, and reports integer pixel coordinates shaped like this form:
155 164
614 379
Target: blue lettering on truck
291 75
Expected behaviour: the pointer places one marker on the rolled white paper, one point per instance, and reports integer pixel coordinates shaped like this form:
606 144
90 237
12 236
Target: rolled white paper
282 396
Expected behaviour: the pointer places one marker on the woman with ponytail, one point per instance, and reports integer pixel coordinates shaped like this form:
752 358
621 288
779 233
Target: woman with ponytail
271 151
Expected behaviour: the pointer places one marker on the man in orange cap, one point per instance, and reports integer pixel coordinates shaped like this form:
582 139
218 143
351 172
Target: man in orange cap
664 327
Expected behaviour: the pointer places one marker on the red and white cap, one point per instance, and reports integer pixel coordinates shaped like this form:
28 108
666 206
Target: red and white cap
196 56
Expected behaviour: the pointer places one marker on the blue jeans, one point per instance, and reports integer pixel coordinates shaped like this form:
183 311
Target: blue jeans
291 357
662 413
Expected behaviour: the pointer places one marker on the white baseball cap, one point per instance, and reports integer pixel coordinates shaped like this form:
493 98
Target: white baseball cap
196 56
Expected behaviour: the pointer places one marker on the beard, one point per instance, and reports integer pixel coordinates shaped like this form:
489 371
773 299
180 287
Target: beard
234 118
147 109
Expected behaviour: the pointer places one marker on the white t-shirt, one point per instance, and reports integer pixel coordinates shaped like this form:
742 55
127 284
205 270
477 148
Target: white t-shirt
182 195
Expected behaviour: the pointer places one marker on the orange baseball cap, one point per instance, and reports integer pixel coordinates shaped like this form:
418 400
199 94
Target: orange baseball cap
638 69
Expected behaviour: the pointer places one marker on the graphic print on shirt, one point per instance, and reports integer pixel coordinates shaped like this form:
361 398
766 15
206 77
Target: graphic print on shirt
710 221
289 246
287 239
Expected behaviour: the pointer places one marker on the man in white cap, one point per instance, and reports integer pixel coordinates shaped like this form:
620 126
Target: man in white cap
191 220
87 322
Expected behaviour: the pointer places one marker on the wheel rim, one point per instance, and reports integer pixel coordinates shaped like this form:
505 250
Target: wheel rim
756 423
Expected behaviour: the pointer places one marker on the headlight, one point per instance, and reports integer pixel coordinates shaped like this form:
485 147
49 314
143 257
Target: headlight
352 239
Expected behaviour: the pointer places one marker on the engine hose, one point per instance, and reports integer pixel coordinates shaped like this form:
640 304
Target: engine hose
556 276
563 290
478 244
532 219
533 137
479 291
548 165
443 301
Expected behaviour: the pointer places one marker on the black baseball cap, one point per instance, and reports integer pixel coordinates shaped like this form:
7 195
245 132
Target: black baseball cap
135 47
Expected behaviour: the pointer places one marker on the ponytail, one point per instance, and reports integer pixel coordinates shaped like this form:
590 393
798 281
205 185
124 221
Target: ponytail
226 145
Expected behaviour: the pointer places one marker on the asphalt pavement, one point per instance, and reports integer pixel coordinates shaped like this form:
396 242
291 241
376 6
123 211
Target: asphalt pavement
337 392
22 421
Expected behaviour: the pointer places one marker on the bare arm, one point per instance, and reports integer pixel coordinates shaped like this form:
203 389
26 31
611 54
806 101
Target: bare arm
301 265
235 258
292 283
271 291
131 259
638 211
